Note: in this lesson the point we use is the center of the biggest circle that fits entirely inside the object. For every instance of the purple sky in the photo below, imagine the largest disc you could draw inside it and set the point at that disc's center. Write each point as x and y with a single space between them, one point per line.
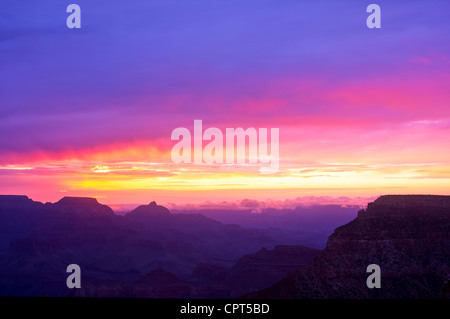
55 80
137 70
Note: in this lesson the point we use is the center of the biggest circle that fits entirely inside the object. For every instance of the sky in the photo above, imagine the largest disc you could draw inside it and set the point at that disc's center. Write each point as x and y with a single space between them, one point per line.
89 112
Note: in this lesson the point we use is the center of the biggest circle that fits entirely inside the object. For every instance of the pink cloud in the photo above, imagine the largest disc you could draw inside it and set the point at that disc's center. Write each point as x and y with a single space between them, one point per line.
259 205
419 59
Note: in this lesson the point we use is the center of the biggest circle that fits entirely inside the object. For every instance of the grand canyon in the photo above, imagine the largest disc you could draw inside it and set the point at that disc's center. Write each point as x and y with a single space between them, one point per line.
318 252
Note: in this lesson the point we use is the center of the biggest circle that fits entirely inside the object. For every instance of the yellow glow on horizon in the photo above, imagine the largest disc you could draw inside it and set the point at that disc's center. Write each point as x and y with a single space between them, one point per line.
129 174
185 180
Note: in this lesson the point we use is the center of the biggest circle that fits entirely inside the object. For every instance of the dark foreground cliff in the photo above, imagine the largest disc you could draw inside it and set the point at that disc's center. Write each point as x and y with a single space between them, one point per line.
408 236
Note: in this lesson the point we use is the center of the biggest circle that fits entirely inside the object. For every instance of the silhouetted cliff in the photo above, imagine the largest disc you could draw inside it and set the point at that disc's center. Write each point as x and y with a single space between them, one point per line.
407 236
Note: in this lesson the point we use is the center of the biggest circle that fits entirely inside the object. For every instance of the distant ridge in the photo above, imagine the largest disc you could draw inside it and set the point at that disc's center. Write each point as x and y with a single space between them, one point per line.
80 206
13 198
17 204
78 201
151 209
16 200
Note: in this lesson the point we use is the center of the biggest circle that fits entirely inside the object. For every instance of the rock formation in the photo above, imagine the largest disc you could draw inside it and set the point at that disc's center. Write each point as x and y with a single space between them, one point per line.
408 236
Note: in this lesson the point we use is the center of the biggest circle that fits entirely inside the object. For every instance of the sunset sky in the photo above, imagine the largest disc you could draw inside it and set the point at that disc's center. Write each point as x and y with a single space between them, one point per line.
89 112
